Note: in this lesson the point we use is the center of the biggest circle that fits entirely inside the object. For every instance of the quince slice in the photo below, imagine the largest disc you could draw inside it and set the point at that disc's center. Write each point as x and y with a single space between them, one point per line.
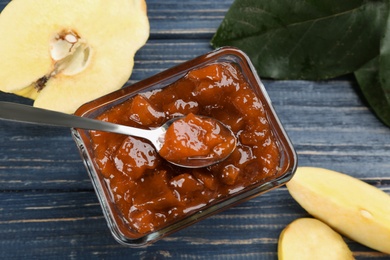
350 206
311 239
63 54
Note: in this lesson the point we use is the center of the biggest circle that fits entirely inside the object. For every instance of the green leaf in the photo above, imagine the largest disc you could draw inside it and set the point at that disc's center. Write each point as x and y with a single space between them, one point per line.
374 79
370 84
304 39
384 62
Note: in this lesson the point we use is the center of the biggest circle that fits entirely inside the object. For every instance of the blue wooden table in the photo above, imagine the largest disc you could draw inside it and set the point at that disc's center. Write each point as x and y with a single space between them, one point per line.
48 208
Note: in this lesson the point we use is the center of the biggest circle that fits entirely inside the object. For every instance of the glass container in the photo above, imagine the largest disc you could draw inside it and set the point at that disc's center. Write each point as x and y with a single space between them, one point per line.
116 222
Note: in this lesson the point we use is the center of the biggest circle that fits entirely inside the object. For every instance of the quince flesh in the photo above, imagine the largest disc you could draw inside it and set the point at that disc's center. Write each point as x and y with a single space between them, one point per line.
309 238
63 54
350 206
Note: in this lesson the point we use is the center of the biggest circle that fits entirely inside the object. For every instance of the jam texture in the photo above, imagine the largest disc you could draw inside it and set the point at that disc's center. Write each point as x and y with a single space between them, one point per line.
151 193
193 140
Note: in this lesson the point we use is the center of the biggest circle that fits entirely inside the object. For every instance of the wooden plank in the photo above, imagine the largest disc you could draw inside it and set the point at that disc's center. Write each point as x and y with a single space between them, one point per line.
159 55
186 19
70 224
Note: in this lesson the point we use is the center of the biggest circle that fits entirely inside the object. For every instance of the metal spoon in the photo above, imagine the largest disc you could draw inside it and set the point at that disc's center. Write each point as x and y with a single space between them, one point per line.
28 114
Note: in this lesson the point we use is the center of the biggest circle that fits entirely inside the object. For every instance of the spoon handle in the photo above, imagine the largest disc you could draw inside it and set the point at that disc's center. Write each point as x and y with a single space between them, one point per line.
28 114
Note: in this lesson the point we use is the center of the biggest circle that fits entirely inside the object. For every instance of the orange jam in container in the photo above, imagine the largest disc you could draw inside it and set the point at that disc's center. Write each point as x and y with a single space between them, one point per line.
143 196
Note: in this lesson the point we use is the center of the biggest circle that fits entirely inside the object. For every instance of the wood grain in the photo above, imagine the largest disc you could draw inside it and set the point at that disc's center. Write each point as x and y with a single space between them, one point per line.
48 208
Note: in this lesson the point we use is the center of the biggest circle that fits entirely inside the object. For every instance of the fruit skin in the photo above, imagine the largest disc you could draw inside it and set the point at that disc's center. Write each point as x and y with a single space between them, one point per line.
309 238
348 205
113 30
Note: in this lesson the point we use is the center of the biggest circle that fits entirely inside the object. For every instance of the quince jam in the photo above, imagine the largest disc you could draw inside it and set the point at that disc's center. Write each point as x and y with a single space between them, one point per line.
150 192
196 141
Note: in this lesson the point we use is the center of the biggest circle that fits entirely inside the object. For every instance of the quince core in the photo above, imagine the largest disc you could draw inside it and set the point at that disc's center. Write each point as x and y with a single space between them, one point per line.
63 54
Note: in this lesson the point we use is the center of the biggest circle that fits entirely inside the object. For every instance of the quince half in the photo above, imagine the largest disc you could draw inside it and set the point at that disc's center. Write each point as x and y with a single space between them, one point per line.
64 53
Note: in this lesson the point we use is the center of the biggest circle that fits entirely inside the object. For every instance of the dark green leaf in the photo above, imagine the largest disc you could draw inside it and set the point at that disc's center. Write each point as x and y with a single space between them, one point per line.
374 79
384 62
370 84
304 39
